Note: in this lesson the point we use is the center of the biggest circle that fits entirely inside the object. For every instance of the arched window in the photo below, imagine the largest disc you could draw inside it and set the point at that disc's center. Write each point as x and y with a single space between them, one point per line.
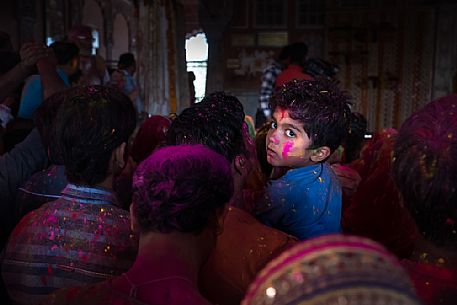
197 62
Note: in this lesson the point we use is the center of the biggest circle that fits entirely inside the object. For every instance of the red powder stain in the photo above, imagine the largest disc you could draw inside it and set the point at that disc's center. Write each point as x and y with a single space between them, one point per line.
283 113
287 148
52 220
54 247
50 271
52 236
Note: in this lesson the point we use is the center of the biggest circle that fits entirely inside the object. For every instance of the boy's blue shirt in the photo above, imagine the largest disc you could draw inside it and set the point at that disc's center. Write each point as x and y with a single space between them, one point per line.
305 202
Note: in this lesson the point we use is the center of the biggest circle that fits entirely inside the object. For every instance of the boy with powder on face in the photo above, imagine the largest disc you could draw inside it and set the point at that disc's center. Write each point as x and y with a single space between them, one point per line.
310 119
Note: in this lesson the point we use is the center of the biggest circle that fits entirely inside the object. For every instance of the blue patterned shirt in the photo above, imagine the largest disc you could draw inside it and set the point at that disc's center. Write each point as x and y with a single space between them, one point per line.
78 239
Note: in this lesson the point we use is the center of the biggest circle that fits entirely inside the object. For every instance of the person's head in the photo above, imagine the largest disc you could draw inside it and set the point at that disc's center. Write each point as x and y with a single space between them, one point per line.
81 35
91 130
127 62
297 52
333 269
181 189
284 55
218 123
425 168
151 135
67 55
310 120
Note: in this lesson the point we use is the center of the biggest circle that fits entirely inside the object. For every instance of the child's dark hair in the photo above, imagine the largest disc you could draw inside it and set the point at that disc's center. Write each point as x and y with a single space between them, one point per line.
126 60
320 106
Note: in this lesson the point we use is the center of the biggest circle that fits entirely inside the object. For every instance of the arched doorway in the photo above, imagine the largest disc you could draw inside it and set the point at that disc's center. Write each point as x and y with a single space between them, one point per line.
197 62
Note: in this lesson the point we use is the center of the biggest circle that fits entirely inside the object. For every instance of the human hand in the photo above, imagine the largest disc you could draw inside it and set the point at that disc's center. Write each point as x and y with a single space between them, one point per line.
31 52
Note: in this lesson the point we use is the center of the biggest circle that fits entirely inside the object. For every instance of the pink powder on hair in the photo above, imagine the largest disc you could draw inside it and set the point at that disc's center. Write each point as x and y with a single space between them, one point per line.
287 148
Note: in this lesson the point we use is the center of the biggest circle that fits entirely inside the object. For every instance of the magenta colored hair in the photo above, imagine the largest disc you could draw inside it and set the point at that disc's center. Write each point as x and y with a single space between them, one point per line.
425 166
179 188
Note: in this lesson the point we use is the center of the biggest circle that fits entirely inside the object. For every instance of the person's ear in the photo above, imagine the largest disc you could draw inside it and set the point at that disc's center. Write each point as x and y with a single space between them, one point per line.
240 164
74 63
320 154
119 153
134 226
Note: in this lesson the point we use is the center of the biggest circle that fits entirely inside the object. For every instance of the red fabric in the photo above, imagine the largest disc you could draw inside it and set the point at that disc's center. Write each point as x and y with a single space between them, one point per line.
117 292
290 73
150 135
434 285
376 210
243 249
156 277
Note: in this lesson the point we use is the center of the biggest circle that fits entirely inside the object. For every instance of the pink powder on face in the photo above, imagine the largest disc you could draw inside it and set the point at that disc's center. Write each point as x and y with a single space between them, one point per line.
287 148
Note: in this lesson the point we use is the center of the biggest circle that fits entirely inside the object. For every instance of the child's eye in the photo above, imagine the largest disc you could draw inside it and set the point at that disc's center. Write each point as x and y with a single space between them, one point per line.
290 133
274 125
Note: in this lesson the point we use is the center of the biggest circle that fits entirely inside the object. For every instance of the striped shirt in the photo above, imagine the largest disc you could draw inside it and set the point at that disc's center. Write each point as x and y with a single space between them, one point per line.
78 239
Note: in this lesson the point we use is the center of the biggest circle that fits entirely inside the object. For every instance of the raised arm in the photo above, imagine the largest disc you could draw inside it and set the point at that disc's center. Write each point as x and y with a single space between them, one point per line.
50 80
30 54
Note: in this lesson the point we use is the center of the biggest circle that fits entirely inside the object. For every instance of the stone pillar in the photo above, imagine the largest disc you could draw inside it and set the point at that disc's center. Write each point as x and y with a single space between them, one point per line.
161 56
214 18
182 90
152 55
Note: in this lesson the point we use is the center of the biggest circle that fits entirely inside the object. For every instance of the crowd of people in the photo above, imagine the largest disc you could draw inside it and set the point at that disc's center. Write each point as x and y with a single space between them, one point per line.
101 207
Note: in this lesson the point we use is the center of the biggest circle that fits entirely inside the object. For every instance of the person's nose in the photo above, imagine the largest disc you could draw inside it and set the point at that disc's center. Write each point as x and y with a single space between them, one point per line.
273 137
